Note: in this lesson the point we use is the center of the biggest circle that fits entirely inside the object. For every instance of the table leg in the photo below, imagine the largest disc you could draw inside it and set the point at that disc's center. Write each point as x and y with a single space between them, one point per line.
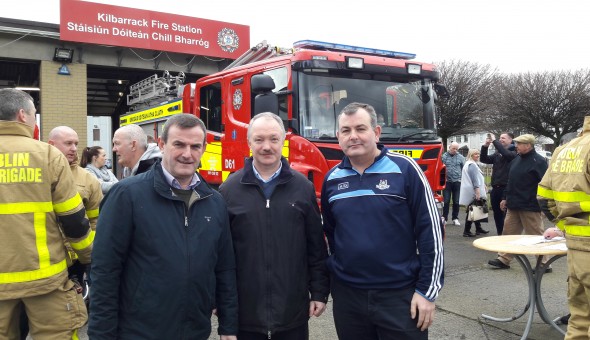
528 270
531 299
539 272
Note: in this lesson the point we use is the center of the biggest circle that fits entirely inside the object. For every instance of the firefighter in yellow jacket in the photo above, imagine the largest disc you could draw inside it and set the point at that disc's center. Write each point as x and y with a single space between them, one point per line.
66 140
564 196
38 197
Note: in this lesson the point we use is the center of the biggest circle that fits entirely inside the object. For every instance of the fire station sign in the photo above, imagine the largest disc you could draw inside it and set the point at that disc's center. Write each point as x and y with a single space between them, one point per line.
94 23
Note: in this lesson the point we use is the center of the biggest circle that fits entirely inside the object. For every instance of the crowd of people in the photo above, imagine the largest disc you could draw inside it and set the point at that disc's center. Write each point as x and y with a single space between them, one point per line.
163 251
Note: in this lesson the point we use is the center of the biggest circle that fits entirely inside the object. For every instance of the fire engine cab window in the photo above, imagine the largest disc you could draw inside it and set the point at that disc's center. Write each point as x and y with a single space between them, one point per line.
405 110
211 106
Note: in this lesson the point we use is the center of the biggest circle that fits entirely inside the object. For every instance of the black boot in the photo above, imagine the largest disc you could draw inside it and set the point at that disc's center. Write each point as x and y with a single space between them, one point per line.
467 230
565 319
481 231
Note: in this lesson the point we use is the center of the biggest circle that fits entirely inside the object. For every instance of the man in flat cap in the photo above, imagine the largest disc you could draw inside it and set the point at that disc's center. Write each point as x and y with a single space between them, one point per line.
520 197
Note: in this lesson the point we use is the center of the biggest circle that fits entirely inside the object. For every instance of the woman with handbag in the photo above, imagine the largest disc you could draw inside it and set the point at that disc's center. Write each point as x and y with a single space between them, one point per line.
473 188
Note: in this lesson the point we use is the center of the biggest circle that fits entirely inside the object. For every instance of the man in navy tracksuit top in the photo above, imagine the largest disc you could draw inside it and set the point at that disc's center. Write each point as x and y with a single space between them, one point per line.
384 234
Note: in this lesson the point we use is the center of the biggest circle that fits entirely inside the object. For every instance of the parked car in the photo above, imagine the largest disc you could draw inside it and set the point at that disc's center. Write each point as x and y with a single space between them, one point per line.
546 154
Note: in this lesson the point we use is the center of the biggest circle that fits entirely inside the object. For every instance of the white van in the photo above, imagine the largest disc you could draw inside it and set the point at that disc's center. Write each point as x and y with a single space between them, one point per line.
546 154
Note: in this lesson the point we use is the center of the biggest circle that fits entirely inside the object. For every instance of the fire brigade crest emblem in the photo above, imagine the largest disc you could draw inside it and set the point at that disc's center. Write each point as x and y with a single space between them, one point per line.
382 185
228 40
237 99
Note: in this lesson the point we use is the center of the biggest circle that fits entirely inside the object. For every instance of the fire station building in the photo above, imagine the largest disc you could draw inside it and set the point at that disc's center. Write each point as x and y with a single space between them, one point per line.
79 71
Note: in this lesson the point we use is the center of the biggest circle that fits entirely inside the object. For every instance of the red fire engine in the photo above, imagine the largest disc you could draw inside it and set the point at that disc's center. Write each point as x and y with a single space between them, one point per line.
306 86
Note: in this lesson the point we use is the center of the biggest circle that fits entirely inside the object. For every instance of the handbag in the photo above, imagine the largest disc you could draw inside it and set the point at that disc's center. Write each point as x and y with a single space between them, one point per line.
477 210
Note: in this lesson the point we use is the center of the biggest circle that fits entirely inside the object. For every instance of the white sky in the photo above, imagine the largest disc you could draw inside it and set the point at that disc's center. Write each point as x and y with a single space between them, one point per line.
512 35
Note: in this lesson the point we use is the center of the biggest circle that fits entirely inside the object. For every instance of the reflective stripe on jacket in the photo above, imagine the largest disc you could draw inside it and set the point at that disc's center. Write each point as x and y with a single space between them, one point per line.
564 192
36 191
90 191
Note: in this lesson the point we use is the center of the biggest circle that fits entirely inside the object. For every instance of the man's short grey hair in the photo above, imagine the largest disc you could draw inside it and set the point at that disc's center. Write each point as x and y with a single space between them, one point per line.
183 121
11 101
352 108
455 144
134 132
266 115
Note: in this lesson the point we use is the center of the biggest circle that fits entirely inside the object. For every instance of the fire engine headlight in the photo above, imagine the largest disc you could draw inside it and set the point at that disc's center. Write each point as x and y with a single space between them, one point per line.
414 68
357 63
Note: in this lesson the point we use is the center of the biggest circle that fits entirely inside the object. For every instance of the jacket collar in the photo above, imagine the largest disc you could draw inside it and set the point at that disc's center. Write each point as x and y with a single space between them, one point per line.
250 178
586 128
161 185
15 128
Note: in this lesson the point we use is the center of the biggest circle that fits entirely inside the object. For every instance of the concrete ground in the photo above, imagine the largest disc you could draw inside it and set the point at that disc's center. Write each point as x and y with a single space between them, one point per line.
472 288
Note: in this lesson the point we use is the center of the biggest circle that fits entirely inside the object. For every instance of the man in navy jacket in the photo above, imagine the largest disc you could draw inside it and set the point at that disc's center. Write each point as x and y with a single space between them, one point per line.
164 256
500 160
523 213
384 233
278 240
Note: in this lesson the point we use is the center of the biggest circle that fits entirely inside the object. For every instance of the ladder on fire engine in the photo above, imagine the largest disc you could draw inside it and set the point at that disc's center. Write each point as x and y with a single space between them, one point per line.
154 89
262 51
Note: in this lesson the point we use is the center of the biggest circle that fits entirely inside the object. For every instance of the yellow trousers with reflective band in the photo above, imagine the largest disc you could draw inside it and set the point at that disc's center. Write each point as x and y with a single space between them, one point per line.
53 316
578 260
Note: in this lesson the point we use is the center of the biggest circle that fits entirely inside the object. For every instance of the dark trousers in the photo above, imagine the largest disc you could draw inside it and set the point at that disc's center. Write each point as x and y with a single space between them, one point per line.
374 314
499 214
451 189
298 333
468 224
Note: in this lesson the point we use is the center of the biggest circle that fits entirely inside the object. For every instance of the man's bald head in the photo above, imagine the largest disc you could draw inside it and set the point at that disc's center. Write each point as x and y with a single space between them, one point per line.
66 140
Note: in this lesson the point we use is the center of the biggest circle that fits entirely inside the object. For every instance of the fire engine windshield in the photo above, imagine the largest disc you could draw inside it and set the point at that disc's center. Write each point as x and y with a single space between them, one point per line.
405 111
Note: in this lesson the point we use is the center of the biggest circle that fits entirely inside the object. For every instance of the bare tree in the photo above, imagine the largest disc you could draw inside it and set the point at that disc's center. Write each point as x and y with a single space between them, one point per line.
469 85
548 104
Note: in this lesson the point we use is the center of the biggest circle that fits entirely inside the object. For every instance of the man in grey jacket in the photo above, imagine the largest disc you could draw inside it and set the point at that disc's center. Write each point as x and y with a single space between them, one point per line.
133 151
454 162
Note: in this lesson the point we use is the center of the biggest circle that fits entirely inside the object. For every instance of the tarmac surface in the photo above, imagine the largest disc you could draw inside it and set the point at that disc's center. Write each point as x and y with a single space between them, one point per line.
473 288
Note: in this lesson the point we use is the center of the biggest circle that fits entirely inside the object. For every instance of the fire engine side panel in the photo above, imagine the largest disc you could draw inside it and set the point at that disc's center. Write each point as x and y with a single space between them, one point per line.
211 161
236 108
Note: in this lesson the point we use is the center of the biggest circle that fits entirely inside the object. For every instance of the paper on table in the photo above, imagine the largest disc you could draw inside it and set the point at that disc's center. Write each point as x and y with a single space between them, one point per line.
528 241
555 239
531 240
558 246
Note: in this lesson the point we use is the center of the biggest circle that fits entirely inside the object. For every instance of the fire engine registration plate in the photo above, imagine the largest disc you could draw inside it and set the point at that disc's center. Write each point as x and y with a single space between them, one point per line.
413 153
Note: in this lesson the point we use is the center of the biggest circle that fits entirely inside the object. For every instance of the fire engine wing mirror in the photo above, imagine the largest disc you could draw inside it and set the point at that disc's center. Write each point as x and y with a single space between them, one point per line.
423 95
293 124
441 91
